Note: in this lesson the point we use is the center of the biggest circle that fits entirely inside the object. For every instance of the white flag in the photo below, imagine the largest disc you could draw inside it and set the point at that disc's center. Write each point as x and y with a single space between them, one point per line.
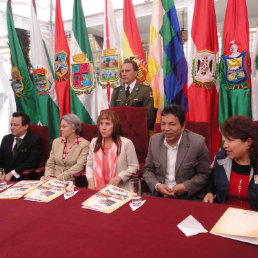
7 101
254 77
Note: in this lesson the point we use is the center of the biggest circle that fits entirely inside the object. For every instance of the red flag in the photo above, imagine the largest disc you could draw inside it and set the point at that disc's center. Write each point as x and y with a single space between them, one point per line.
132 45
62 64
202 91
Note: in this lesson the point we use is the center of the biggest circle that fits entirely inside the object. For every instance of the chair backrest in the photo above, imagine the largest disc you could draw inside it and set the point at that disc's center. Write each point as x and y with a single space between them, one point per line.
256 123
134 125
202 128
89 131
43 133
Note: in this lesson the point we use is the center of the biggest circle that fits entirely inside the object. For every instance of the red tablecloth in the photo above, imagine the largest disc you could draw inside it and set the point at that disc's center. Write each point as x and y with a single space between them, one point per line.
63 229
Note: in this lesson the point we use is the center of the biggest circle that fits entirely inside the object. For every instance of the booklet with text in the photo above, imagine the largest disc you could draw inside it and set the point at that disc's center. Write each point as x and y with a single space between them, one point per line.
46 192
19 189
108 199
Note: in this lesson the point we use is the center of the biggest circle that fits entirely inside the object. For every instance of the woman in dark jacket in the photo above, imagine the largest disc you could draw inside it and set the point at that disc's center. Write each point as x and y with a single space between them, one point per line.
234 179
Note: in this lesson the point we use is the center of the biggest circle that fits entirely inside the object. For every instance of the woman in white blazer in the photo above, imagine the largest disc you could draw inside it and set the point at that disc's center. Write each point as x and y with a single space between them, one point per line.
112 158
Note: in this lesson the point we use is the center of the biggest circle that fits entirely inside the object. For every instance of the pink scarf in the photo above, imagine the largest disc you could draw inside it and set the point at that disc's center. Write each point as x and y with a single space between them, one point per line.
98 166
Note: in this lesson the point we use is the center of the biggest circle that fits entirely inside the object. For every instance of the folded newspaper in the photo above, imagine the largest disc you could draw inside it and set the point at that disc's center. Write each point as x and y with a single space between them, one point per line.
108 199
46 192
19 189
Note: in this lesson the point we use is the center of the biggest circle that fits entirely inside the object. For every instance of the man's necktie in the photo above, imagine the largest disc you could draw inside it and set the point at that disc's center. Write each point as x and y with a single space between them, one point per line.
127 92
16 146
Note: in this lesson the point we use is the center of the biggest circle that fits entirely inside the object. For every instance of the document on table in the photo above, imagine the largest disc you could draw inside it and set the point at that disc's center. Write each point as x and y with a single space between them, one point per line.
238 224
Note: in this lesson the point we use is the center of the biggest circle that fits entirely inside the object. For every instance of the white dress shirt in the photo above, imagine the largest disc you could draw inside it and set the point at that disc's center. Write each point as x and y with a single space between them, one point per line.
170 180
131 86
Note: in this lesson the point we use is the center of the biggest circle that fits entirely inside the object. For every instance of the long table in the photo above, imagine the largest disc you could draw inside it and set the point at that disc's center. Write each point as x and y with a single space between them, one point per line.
62 228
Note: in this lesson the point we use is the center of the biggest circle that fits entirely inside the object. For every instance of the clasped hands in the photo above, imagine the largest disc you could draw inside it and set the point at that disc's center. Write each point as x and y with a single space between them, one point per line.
173 192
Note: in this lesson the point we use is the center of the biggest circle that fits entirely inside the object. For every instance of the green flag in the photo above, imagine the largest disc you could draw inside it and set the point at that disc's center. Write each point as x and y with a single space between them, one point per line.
25 93
87 99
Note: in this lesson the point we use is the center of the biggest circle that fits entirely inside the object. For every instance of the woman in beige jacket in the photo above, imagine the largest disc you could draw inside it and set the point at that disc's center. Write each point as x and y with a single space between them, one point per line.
112 158
69 152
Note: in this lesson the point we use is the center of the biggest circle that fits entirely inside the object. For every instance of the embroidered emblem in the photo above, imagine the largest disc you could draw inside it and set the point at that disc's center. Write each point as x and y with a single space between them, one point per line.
235 65
204 70
17 83
82 75
235 68
61 66
109 70
41 81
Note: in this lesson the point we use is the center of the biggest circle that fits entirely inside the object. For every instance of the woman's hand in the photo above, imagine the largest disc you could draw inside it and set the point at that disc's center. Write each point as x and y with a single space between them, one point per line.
91 184
209 197
46 178
115 180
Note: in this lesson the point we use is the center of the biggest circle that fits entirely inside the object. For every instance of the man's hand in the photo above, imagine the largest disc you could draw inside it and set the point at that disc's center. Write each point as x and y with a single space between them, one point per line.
164 189
178 190
8 176
209 197
115 180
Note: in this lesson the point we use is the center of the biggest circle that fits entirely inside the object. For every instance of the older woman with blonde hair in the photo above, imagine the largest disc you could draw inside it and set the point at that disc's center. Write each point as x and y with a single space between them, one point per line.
112 158
234 179
69 152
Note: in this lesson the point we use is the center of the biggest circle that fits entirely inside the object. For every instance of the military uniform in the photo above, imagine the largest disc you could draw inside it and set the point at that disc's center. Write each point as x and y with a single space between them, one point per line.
141 96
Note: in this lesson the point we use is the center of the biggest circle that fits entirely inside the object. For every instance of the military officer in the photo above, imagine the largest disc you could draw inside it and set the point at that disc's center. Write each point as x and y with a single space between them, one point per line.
133 93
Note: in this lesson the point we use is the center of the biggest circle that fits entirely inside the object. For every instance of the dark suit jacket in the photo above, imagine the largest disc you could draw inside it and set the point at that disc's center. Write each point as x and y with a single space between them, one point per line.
141 96
27 156
192 164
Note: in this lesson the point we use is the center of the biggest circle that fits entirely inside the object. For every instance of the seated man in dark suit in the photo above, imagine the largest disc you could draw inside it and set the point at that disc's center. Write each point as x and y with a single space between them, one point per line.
177 164
21 149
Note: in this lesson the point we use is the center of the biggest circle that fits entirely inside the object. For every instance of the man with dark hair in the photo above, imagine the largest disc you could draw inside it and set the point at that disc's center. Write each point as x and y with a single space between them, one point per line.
21 149
177 164
133 93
